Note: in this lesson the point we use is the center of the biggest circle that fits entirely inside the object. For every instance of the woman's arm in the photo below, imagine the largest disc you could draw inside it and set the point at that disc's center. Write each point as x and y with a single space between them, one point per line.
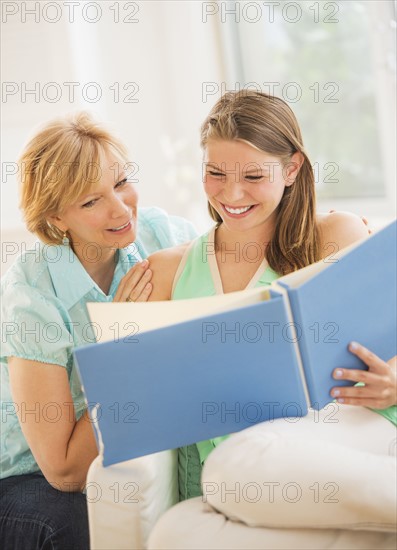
63 447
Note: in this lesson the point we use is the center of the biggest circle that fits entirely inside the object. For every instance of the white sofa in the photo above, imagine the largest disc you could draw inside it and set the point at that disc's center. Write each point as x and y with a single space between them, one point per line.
131 504
125 500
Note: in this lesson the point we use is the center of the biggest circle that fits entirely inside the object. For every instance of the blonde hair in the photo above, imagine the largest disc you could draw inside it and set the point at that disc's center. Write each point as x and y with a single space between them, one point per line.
268 123
60 164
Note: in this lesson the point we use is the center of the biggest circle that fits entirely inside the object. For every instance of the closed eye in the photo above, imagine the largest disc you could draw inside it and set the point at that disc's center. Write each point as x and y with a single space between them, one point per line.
89 204
214 173
121 183
253 178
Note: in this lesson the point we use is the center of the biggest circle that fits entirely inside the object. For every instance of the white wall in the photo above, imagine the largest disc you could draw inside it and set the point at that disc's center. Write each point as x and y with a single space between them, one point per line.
166 55
169 53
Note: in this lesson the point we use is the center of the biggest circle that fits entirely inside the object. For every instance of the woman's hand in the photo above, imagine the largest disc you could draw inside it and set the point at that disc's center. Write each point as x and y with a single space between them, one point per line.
380 390
135 286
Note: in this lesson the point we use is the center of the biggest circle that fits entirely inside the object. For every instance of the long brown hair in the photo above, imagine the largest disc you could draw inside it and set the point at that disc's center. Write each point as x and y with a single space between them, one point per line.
268 123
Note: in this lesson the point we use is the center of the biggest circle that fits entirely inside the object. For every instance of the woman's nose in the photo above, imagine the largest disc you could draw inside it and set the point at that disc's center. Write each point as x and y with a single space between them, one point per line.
118 207
234 190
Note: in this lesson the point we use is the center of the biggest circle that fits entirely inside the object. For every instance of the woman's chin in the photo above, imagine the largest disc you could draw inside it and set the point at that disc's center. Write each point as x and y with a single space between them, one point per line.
123 241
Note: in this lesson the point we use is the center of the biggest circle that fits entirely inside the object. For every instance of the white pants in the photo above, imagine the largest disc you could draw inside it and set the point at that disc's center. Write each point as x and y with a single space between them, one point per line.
356 427
334 468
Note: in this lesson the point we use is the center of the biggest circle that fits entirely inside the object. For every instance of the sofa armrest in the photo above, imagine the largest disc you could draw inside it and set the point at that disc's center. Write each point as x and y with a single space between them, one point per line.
125 500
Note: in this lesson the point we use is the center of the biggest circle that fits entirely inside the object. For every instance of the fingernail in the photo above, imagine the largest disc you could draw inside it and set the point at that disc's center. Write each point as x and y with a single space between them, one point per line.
340 400
353 346
144 263
335 393
339 373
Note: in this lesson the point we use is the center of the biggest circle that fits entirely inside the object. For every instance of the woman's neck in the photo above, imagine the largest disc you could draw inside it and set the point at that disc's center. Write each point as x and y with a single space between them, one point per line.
252 242
100 265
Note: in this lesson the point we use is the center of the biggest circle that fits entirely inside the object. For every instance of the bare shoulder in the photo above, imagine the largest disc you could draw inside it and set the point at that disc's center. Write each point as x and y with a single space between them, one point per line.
338 230
164 265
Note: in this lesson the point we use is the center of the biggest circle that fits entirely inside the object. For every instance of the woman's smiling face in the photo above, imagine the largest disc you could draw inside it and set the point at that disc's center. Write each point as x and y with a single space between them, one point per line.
244 184
106 216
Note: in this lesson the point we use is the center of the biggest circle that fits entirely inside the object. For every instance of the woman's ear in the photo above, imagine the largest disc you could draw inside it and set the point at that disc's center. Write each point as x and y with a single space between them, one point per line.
291 169
57 222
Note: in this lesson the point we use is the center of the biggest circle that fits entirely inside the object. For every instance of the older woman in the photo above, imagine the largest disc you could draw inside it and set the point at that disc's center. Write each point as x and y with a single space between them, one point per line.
77 197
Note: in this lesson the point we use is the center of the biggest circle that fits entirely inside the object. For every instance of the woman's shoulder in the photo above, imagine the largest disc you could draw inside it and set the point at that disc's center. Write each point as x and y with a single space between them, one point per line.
27 287
168 256
157 229
338 230
27 270
164 265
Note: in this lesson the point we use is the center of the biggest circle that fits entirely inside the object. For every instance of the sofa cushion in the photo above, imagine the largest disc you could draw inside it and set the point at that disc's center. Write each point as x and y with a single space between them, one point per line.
195 524
285 475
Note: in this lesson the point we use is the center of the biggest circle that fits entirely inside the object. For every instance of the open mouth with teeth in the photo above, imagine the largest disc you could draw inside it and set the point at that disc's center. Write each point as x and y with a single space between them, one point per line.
121 228
240 211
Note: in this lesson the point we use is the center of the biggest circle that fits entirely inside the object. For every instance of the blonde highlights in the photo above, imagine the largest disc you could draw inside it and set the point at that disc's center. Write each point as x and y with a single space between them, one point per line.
268 123
60 164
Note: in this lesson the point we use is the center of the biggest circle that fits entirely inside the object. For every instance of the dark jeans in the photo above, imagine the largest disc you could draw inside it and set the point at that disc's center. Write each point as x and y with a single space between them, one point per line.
34 515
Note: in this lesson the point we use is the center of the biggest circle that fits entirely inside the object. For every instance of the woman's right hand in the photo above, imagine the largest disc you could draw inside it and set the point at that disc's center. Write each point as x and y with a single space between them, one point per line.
135 286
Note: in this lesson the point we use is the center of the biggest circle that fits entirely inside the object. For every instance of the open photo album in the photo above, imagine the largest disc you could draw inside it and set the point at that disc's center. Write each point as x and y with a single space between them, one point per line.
167 374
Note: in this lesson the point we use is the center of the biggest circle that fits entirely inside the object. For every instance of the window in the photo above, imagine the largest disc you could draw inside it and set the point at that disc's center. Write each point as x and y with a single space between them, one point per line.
334 63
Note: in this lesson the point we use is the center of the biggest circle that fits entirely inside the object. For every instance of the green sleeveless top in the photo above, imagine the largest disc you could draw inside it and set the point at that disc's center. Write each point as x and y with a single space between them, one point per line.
198 276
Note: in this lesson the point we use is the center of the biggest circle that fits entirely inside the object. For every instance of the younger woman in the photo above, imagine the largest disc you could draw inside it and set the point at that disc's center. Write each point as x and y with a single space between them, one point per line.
261 194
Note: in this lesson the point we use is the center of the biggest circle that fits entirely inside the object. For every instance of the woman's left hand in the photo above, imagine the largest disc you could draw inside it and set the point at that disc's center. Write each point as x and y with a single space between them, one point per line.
380 390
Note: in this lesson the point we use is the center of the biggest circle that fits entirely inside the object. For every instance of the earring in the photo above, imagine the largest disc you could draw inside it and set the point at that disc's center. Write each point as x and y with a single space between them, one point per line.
65 240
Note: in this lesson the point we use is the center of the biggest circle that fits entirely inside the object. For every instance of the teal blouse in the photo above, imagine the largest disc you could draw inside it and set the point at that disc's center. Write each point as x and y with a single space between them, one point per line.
44 316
